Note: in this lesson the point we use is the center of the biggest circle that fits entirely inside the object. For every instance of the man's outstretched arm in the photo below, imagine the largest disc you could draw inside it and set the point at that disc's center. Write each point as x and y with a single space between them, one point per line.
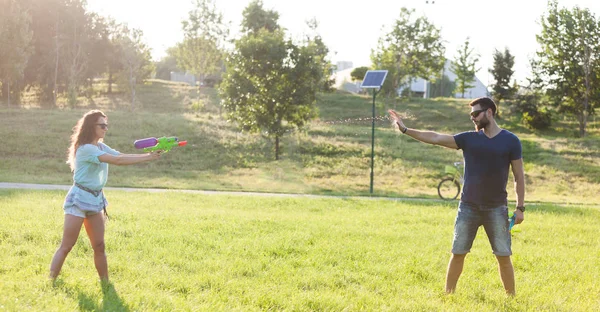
430 137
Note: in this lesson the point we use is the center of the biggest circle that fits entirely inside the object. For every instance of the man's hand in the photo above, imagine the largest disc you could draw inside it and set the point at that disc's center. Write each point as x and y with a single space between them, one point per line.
395 117
519 216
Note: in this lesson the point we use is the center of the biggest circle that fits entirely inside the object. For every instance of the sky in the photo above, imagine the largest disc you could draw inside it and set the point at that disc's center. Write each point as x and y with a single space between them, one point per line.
351 28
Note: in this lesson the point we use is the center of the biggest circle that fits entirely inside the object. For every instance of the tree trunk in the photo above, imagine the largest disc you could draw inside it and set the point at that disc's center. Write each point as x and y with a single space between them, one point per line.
55 91
587 70
276 147
582 120
110 80
397 80
132 84
8 87
17 96
4 90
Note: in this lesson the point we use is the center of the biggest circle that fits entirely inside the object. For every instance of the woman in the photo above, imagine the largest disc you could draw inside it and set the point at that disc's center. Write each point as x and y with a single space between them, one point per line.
88 158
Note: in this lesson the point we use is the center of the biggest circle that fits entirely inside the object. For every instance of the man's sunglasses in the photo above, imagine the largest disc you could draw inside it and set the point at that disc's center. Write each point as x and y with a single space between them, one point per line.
103 126
476 113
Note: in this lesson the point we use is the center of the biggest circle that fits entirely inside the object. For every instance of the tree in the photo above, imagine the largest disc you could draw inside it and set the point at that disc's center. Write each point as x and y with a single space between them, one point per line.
443 87
135 59
201 51
114 65
359 73
502 73
76 43
66 48
270 84
167 64
568 61
15 48
464 68
412 49
43 67
320 52
255 18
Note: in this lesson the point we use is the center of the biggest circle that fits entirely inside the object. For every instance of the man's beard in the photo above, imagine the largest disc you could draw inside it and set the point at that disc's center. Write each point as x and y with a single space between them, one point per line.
484 122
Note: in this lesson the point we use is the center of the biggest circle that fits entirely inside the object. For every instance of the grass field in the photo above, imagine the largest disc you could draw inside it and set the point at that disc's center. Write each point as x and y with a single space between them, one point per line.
186 252
330 156
176 251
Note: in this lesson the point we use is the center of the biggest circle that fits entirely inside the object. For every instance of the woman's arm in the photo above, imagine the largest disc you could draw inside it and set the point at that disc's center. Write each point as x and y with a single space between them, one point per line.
128 159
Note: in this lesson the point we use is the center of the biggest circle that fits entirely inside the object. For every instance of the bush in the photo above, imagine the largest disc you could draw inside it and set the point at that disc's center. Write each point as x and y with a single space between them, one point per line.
531 107
540 119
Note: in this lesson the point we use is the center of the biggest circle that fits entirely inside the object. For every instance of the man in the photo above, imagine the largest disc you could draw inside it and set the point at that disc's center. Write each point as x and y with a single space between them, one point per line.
488 152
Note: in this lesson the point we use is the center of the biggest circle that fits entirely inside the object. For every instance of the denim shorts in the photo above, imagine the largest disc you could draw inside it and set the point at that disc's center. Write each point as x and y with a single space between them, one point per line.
76 211
495 222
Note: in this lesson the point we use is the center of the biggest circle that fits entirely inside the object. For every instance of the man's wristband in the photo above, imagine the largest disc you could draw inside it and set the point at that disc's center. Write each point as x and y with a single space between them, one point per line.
404 130
521 208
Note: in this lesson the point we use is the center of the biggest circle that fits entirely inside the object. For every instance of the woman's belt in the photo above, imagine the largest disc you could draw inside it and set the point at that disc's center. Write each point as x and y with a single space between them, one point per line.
95 193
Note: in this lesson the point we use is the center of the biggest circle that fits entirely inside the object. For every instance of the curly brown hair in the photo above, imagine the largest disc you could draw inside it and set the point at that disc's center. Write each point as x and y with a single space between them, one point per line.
84 132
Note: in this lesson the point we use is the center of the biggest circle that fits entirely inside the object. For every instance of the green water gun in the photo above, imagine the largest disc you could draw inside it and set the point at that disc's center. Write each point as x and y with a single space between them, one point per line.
163 144
511 220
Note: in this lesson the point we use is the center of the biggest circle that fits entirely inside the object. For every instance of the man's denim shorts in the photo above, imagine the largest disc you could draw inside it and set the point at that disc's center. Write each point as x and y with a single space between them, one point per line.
495 222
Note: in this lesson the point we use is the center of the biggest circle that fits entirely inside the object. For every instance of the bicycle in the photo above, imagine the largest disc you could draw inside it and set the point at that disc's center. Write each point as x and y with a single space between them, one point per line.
449 187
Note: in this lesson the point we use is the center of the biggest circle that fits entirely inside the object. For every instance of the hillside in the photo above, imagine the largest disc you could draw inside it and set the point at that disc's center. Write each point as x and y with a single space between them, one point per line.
331 156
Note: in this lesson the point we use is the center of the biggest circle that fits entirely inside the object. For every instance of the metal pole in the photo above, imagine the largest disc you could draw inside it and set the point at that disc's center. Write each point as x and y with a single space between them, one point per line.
373 140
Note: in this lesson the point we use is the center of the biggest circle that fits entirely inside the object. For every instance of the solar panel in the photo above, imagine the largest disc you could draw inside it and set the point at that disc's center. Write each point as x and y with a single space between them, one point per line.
374 79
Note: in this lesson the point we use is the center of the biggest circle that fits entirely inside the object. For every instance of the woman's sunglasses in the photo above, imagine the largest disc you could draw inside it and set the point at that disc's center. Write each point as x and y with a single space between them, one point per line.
476 113
103 126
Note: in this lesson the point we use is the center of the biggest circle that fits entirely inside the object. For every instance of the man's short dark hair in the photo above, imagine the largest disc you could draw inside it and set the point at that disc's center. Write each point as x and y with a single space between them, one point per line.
484 103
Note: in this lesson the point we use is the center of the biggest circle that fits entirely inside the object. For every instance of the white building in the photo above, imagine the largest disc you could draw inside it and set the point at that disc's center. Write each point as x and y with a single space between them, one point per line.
343 65
183 77
419 87
343 81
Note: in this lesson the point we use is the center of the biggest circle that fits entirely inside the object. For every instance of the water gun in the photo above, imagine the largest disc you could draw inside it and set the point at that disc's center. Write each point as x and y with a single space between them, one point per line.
163 144
511 220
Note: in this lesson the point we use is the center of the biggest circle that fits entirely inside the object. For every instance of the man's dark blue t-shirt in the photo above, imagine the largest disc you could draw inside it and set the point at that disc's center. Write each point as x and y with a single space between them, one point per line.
487 161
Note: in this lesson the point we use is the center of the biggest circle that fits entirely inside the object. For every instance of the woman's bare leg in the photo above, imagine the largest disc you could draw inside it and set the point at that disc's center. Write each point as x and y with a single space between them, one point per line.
71 231
94 226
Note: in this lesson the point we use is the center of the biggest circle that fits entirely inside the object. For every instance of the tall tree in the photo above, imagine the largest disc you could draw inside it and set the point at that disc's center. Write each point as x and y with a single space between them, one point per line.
99 48
412 49
63 45
15 46
318 49
270 84
135 59
114 65
464 67
43 67
256 18
76 43
502 72
205 33
568 61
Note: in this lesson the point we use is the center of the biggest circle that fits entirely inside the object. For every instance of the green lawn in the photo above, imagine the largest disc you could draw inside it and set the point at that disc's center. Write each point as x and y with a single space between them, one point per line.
188 252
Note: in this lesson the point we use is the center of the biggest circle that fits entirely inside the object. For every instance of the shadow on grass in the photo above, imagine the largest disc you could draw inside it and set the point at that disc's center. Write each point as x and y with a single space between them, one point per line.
111 301
573 161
